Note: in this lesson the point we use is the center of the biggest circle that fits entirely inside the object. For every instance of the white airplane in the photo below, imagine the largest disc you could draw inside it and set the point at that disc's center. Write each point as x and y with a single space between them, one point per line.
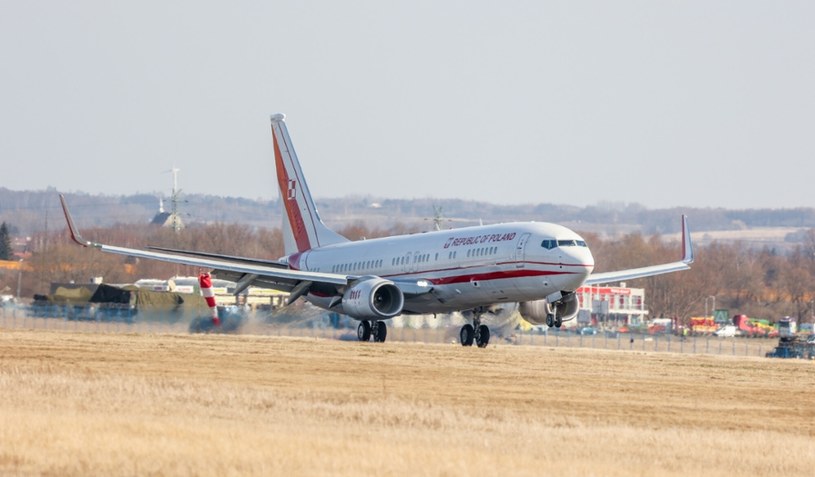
475 270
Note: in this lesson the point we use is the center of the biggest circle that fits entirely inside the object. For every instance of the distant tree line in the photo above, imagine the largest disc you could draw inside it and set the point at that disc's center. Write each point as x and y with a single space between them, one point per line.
759 283
38 211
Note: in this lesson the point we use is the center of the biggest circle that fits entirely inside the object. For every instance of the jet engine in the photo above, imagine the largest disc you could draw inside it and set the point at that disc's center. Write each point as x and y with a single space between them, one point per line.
373 298
559 306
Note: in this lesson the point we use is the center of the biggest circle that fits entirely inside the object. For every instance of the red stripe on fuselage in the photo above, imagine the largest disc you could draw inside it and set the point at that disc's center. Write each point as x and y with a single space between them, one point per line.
296 221
497 275
424 273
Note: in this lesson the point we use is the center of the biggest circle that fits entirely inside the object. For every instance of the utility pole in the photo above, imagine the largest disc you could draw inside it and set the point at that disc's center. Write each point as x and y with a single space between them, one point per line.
19 278
174 200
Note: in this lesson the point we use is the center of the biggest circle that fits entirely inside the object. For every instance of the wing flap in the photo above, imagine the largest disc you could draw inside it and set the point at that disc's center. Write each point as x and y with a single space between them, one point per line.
231 258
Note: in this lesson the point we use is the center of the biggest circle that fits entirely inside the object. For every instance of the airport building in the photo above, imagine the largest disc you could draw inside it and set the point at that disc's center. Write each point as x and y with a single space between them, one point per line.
606 306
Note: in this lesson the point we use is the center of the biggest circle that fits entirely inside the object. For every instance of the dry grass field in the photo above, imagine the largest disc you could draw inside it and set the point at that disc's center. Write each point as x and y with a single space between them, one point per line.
171 404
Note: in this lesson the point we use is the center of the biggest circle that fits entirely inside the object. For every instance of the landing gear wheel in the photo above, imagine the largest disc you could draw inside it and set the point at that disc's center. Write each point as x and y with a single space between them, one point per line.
364 330
466 335
482 336
379 331
550 320
558 322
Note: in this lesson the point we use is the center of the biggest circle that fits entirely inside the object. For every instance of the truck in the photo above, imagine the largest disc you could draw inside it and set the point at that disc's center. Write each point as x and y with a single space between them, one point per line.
786 352
753 328
786 327
702 325
790 344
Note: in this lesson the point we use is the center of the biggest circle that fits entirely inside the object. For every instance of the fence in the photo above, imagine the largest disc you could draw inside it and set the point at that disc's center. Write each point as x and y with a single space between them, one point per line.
115 319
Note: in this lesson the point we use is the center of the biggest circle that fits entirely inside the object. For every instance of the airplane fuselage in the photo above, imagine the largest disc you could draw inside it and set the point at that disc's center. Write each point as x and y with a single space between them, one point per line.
513 262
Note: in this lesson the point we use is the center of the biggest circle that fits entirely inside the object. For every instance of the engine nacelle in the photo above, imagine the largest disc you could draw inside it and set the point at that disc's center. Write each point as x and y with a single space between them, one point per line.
373 299
563 305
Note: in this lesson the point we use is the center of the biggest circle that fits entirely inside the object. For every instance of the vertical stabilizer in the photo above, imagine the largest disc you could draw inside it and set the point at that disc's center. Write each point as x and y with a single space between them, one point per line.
302 227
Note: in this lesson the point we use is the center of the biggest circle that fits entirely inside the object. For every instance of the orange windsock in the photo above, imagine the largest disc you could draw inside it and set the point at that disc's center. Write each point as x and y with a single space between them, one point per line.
205 280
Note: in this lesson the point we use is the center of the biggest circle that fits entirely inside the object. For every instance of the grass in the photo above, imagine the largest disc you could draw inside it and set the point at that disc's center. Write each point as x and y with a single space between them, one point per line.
124 404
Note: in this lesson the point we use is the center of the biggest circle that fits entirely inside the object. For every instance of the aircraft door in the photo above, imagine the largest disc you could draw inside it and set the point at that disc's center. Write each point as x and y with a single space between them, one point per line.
520 250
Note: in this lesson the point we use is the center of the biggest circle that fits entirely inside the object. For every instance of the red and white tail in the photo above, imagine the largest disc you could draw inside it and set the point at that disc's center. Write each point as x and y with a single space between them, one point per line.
205 280
302 227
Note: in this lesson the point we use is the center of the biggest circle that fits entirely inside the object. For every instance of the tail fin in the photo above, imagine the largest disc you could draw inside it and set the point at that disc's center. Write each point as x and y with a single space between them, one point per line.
302 227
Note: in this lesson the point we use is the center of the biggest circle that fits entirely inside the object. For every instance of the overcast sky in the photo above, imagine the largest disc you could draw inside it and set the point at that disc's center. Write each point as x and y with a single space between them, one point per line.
663 103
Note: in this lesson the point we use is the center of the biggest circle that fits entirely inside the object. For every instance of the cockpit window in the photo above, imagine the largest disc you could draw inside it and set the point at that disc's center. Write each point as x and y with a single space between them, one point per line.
549 244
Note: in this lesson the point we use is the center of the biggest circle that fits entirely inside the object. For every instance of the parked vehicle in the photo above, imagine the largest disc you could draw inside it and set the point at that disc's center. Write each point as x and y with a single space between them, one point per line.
726 331
786 352
587 330
786 327
754 328
701 325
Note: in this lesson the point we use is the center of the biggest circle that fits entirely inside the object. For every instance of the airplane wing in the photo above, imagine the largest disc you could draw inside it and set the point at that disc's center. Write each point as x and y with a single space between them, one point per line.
632 273
231 258
244 271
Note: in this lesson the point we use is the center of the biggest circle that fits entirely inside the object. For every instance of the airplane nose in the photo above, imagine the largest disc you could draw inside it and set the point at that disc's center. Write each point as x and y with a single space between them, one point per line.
588 259
583 259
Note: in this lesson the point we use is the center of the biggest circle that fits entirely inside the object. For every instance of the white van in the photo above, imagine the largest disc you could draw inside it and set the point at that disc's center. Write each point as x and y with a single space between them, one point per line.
726 331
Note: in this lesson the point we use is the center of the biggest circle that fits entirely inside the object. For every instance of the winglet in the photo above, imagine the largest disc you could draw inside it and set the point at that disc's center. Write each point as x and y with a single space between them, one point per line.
687 244
71 227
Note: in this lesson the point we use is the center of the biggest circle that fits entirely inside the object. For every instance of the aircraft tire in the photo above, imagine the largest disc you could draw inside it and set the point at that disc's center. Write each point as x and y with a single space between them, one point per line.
466 335
380 331
558 322
550 320
482 338
364 330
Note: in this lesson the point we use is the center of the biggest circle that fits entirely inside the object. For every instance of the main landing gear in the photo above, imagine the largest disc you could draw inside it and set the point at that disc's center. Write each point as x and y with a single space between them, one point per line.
553 320
475 332
372 329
